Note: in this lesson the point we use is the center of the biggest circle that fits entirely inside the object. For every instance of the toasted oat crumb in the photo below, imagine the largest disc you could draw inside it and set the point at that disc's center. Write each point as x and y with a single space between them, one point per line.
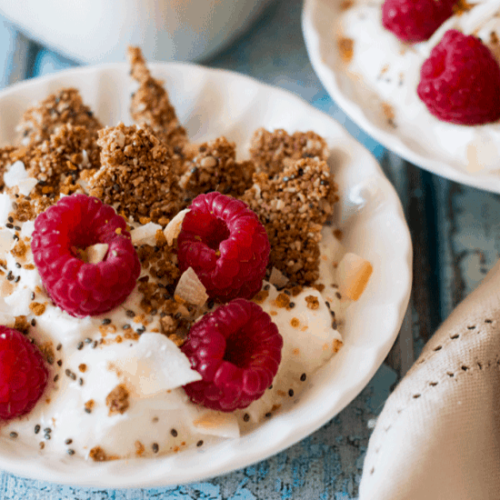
461 7
20 249
346 5
82 367
151 105
136 174
139 449
273 151
89 405
21 324
7 155
118 400
346 48
47 350
97 454
295 323
37 308
312 302
261 296
282 300
337 344
388 112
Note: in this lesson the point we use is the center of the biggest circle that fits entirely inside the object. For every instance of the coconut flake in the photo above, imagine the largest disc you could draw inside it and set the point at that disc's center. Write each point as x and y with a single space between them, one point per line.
27 229
190 289
174 227
5 240
15 174
214 423
278 279
96 253
156 365
353 275
145 235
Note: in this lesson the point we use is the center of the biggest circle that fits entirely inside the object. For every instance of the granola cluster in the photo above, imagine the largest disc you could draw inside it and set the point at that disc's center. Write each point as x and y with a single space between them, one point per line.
136 174
293 206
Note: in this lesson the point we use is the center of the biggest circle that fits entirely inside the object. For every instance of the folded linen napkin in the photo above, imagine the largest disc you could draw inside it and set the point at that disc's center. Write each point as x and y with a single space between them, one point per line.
438 436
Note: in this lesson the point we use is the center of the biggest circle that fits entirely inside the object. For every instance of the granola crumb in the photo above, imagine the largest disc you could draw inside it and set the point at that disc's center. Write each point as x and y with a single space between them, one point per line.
118 400
21 324
89 405
312 302
97 454
139 449
295 322
282 300
346 48
261 297
337 345
37 308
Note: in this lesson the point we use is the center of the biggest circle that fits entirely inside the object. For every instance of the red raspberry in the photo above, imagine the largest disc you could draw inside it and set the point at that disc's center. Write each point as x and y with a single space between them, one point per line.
415 20
23 374
237 351
83 289
226 245
460 81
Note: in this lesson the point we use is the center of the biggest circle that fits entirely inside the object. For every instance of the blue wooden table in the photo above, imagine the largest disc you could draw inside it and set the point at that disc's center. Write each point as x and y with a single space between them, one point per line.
455 231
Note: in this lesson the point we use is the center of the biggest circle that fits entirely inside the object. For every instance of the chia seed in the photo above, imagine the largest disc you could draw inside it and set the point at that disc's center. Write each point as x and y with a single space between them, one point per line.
17 228
80 346
268 415
126 327
94 345
33 322
303 377
291 305
106 321
246 417
59 346
68 441
70 452
37 429
32 295
11 219
13 435
130 314
88 340
80 381
199 443
9 225
59 362
174 433
9 276
17 279
56 378
155 447
47 430
291 393
18 265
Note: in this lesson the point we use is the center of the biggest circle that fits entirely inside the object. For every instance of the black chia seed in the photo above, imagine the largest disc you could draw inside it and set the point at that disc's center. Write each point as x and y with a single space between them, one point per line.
106 321
199 443
155 447
13 435
246 417
174 433
70 452
37 429
303 377
80 346
68 441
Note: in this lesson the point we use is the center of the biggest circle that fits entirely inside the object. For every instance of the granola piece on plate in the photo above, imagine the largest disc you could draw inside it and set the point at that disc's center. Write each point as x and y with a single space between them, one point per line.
136 174
151 105
64 107
293 206
213 167
273 151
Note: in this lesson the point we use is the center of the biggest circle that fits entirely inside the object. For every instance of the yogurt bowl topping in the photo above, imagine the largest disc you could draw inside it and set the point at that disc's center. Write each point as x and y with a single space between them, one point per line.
176 294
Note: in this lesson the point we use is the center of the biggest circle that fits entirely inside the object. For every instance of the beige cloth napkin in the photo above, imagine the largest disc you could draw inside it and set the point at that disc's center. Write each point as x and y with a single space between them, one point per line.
438 436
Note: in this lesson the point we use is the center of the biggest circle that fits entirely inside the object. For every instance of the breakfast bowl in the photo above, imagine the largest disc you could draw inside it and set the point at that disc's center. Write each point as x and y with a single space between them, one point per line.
210 103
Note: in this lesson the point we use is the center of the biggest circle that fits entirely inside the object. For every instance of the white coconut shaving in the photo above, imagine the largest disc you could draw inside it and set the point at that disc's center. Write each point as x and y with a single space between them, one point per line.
145 235
174 227
190 289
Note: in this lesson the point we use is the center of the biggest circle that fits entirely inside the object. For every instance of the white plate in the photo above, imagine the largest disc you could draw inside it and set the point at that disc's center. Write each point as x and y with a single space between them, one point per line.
320 25
211 103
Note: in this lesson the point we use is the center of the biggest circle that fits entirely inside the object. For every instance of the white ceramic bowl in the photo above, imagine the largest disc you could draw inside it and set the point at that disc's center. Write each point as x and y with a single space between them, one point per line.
211 103
320 25
93 31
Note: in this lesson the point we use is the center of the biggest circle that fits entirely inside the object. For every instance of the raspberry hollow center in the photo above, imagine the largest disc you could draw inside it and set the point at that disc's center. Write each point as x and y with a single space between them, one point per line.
217 233
240 349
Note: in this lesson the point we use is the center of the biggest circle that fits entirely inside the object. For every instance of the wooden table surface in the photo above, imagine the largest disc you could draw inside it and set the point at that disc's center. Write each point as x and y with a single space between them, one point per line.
455 231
